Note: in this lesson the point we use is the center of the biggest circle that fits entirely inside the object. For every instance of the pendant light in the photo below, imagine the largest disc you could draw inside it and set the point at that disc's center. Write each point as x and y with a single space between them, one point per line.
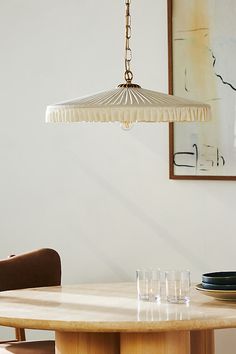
128 103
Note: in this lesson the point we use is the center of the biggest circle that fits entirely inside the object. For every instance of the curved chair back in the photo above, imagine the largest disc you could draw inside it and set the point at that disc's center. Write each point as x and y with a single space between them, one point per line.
30 270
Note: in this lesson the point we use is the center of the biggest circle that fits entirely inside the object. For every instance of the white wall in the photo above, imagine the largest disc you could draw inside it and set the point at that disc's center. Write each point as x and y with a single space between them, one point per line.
99 195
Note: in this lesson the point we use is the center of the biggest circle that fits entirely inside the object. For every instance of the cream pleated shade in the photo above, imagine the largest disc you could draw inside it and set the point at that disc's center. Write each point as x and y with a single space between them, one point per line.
128 104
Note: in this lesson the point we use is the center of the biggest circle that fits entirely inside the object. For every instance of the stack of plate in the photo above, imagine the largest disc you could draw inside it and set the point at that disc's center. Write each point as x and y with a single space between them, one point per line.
219 281
220 285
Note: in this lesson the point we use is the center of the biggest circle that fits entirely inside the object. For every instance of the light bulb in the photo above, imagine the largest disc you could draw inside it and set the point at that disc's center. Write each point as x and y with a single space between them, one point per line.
127 125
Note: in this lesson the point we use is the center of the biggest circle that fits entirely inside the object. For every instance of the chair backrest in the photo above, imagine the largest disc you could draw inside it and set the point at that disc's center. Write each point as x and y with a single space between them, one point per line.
29 270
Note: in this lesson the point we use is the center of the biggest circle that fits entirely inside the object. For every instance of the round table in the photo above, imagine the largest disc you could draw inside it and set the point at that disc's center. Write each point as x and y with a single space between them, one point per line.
108 319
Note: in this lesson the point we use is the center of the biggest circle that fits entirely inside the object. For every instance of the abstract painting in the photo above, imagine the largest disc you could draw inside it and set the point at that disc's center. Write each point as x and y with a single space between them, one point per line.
202 53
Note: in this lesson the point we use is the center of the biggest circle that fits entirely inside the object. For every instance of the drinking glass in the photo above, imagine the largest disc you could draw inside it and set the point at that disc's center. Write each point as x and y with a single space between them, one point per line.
177 286
148 284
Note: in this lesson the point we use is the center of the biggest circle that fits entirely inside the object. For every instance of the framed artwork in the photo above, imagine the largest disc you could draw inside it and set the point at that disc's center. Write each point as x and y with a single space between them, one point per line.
202 56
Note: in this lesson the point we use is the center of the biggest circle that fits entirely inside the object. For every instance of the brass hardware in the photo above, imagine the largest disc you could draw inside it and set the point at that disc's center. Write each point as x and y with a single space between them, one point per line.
129 84
128 53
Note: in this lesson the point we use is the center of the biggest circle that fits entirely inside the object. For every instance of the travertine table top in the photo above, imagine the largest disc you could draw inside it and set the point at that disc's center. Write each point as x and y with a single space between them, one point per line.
109 308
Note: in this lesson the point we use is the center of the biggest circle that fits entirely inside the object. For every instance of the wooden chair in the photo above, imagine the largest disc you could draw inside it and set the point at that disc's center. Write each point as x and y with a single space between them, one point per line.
29 270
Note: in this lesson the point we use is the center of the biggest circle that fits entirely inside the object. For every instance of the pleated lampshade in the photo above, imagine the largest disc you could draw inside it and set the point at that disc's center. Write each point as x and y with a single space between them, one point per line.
128 105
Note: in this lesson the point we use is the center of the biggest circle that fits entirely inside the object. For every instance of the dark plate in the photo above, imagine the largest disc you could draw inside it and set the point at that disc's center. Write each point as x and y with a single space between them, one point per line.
220 278
218 287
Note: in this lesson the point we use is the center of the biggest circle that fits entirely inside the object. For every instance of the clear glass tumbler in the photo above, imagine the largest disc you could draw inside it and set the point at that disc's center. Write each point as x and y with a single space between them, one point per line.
148 284
177 286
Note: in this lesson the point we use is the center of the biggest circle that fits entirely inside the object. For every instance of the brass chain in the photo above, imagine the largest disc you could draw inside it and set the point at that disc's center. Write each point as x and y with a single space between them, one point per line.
128 52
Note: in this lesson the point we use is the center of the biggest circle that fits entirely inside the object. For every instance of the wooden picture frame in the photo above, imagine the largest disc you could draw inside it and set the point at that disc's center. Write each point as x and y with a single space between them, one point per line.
207 168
